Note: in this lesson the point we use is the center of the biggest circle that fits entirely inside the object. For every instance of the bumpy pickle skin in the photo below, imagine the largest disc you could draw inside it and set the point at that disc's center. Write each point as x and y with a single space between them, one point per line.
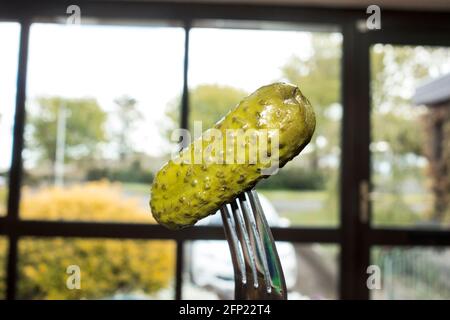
183 193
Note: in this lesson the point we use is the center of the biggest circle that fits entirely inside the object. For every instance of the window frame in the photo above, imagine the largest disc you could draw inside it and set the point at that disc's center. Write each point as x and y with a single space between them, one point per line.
354 235
372 236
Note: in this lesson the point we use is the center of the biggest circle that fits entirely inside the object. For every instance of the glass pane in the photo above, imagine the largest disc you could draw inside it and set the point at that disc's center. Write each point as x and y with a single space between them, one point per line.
412 273
98 120
311 271
96 269
410 156
227 64
3 259
9 33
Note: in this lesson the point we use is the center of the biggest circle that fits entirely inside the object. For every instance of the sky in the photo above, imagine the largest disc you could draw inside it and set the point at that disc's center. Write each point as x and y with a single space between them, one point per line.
145 63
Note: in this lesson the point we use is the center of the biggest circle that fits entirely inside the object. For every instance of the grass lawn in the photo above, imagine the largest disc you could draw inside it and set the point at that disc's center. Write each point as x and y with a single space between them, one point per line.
317 218
324 216
293 195
137 188
403 210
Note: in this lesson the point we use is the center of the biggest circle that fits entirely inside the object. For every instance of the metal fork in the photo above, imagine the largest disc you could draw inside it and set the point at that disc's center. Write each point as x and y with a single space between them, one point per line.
257 268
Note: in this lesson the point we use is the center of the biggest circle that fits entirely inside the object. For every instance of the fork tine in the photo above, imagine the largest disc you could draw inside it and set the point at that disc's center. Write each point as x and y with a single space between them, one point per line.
255 240
276 272
236 253
249 256
253 250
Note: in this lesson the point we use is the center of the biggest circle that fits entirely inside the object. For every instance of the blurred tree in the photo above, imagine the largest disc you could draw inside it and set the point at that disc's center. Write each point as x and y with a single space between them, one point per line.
396 73
85 122
208 103
392 110
128 115
318 77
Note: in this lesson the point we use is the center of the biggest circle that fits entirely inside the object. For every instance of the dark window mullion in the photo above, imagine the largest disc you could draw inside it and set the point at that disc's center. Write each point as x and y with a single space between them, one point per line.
355 163
15 177
179 266
49 228
347 158
185 94
363 164
398 236
184 125
408 237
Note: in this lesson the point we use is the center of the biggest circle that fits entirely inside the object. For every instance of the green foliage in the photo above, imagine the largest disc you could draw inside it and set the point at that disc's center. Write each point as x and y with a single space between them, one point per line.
132 173
394 117
318 77
397 131
208 103
295 179
393 112
128 115
396 73
85 130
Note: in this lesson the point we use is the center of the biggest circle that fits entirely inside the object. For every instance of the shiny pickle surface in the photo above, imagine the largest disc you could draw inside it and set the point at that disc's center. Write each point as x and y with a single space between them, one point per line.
184 192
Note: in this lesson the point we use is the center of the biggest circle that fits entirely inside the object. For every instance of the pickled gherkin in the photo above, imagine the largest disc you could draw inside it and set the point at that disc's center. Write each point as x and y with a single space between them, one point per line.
185 191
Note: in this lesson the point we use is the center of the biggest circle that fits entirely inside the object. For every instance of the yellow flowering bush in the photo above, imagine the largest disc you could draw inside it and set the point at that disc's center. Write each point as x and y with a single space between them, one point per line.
3 248
3 243
107 266
3 202
100 201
